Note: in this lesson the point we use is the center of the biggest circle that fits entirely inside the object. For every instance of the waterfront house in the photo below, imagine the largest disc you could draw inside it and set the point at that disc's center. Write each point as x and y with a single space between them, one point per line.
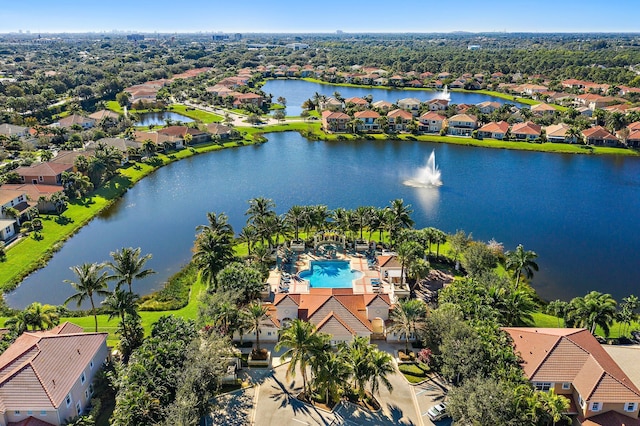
559 133
46 376
633 139
220 131
9 130
431 122
461 124
357 102
598 135
487 107
399 119
331 104
437 104
37 195
334 121
14 199
494 130
179 132
572 363
102 114
542 109
125 146
526 131
243 99
410 104
49 173
382 105
369 120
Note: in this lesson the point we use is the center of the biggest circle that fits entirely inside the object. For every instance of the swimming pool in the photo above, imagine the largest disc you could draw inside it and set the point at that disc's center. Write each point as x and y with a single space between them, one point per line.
330 274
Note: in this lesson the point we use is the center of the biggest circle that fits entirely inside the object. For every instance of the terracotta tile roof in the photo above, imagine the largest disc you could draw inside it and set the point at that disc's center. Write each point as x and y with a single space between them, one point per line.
542 108
572 355
432 115
382 104
557 130
463 117
179 131
369 298
634 135
331 323
527 128
356 101
40 368
406 115
610 418
438 101
68 157
44 169
634 125
598 132
30 421
366 114
34 191
6 195
334 115
72 119
493 127
103 113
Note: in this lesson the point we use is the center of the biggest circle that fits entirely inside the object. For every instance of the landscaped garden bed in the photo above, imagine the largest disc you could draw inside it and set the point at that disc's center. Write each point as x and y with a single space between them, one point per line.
416 372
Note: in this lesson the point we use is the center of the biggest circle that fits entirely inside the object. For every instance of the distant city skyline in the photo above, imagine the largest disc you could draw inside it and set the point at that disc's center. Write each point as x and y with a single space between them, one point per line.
288 16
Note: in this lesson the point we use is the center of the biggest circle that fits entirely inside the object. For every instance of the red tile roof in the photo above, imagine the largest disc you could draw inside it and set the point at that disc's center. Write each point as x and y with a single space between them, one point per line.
493 127
598 132
406 115
432 115
610 418
527 128
366 114
30 421
44 169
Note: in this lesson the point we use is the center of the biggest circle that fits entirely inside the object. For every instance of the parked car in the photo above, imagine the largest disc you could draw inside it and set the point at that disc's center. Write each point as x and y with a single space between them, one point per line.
438 412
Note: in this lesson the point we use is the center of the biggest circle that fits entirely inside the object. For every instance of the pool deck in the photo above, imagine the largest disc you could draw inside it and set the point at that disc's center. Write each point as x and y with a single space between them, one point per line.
357 262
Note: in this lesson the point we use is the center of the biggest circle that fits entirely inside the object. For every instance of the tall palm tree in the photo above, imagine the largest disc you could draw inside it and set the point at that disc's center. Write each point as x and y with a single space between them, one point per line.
319 216
359 353
296 217
362 217
256 313
398 217
300 338
408 252
92 280
249 235
332 372
555 406
127 265
521 260
407 317
212 252
376 221
594 309
259 208
381 366
438 237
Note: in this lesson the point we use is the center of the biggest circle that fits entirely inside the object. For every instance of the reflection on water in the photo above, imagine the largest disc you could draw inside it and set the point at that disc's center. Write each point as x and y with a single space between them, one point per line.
429 199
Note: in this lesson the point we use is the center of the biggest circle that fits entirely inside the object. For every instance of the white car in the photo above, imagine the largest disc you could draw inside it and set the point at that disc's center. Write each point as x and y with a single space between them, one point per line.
438 412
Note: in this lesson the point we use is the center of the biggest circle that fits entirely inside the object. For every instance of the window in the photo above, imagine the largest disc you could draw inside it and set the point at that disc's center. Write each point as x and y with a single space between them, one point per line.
542 386
86 394
91 389
78 408
595 406
43 413
91 364
29 413
566 386
83 378
630 406
40 178
68 399
581 401
17 412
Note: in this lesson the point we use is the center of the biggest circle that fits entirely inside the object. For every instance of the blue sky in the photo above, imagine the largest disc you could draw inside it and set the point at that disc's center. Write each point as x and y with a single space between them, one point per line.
248 16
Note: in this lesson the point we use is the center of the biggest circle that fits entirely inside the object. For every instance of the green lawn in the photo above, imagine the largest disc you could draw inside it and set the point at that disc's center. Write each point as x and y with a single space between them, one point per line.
196 114
114 106
549 321
414 373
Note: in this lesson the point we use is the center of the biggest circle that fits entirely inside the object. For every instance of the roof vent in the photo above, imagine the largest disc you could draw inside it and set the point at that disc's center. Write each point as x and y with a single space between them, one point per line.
78 351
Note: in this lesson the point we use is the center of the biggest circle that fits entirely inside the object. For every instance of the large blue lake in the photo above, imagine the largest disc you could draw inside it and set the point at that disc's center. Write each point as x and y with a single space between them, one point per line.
578 212
298 91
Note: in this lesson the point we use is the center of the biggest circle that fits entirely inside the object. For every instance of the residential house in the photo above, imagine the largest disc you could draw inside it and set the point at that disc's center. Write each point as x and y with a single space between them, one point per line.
396 80
334 121
331 104
179 132
399 120
75 119
338 312
48 173
243 99
572 363
358 102
598 135
532 89
47 375
461 124
526 131
15 199
487 107
573 83
98 116
161 140
410 104
633 139
415 83
13 130
431 122
559 133
125 146
457 84
381 81
369 120
494 130
438 104
36 194
220 131
542 109
382 105
390 268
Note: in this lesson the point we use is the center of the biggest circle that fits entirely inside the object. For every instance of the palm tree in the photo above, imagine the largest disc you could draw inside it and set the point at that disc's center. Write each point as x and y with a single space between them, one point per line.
42 317
212 252
381 366
259 208
408 252
127 265
19 322
555 406
217 223
332 372
296 217
594 309
119 304
255 314
149 147
362 216
407 317
91 280
249 235
398 217
300 338
376 221
521 260
438 237
359 353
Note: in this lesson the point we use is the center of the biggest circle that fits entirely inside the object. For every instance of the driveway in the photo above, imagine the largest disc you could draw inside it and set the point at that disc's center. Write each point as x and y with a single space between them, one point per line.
428 394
